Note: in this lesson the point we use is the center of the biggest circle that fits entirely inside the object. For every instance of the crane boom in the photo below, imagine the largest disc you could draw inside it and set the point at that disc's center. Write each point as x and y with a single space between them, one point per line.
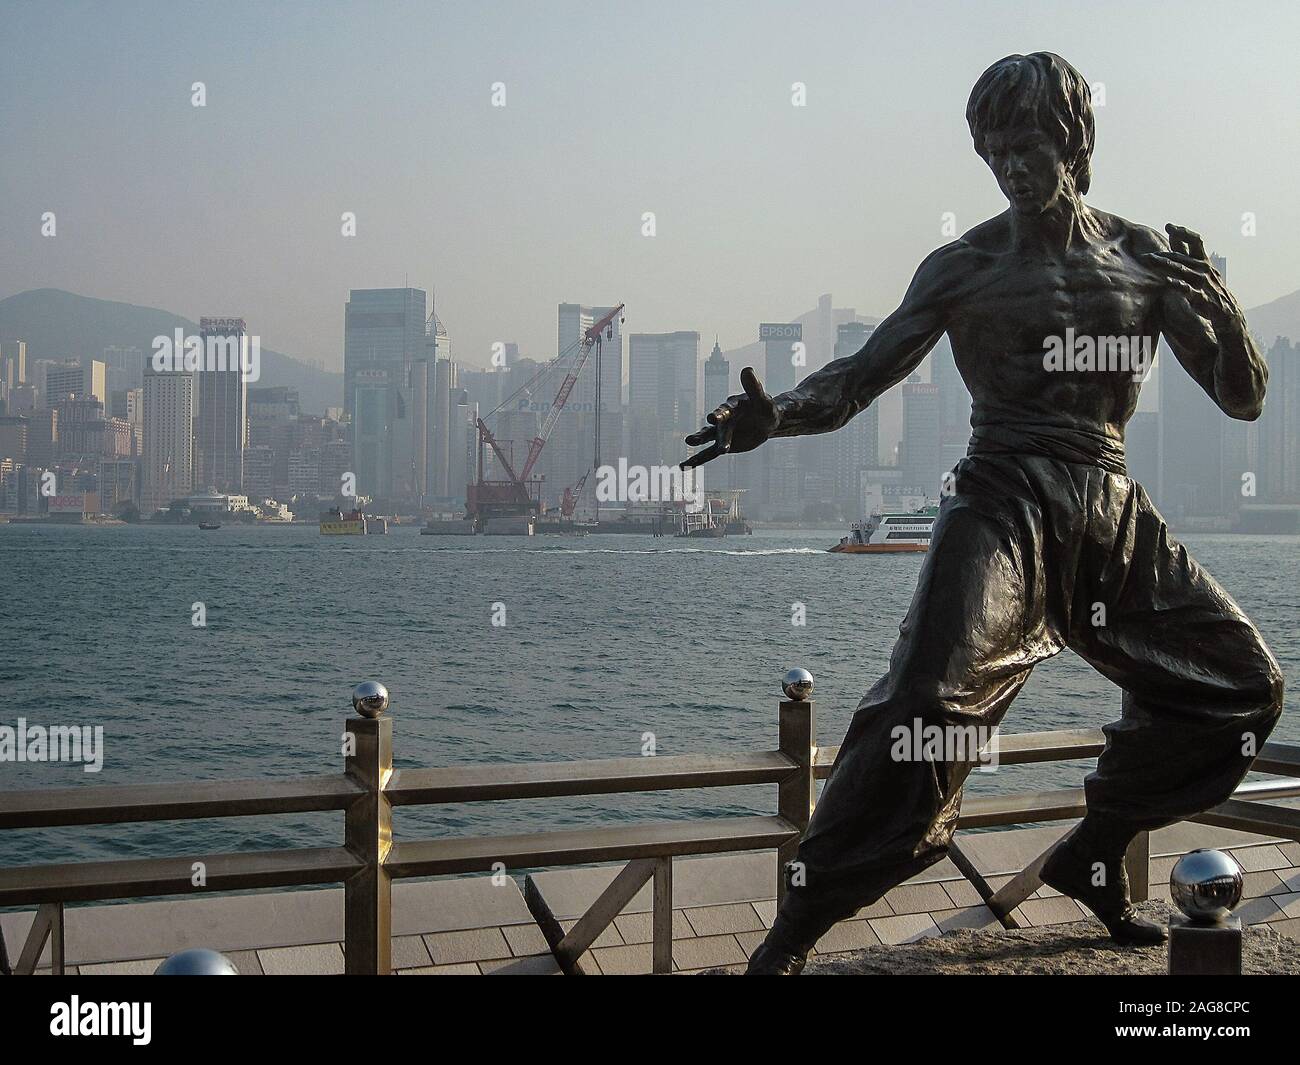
590 338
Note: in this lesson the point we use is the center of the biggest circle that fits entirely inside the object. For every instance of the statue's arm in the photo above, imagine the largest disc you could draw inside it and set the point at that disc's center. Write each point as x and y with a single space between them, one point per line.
1205 326
827 399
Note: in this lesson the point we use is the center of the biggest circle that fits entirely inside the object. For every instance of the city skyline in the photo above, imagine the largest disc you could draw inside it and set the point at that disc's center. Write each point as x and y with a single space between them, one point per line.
482 204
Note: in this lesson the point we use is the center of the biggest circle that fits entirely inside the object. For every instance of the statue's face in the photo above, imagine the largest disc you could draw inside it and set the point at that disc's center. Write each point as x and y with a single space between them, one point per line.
1029 166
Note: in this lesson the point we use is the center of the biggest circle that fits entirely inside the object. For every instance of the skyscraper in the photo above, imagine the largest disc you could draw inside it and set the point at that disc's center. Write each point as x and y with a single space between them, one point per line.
920 454
856 446
1191 440
221 405
663 403
168 459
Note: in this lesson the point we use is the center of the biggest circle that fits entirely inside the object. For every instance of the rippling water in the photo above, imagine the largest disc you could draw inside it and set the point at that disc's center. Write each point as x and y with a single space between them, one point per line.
605 639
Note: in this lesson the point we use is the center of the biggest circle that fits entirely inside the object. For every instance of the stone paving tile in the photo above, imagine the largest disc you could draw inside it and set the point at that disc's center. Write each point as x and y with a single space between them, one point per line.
245 961
962 893
1059 910
1257 911
1290 879
313 959
848 935
631 960
749 941
466 968
124 968
1291 850
608 938
723 920
1265 883
470 944
705 952
525 940
409 952
766 909
904 928
1160 892
1289 904
966 917
1289 928
879 908
1255 859
638 927
534 965
918 898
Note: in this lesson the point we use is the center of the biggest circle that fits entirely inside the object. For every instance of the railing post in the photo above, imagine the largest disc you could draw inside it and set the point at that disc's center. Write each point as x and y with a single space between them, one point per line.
661 935
797 725
1137 863
367 895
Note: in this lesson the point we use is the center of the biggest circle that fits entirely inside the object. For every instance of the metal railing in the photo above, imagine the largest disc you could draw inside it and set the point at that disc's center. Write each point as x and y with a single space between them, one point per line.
370 859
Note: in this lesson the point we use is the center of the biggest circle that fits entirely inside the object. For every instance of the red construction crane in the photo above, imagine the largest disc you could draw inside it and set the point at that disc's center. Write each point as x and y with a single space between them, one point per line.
513 496
571 496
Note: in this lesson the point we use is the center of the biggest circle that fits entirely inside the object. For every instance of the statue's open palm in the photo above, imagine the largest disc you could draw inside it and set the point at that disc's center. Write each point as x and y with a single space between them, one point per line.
740 424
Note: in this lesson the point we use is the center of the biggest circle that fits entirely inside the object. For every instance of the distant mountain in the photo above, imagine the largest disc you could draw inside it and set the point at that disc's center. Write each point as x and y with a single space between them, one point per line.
57 324
1281 317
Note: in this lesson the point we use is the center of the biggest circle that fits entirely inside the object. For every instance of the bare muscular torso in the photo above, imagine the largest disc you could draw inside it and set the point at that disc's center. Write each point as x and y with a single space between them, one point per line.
1007 304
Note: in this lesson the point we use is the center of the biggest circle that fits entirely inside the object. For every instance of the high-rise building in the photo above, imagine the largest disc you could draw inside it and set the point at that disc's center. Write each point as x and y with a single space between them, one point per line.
81 429
371 430
1191 440
382 327
13 371
663 391
1279 427
782 342
168 458
920 454
221 405
62 379
855 446
13 437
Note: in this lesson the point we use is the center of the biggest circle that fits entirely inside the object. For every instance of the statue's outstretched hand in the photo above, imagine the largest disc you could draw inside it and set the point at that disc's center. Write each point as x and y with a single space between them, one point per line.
740 424
1188 269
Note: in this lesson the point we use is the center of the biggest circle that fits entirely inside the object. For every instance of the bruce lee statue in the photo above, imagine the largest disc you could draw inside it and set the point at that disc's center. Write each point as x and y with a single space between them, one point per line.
1037 525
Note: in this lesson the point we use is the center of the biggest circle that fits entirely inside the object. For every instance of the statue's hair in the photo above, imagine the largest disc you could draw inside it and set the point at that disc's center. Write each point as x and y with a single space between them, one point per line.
1041 89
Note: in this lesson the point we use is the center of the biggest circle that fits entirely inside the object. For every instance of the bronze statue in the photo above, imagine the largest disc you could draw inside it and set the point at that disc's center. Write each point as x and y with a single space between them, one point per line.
1042 541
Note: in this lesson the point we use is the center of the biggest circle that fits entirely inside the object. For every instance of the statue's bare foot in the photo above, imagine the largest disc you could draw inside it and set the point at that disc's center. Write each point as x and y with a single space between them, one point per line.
1072 873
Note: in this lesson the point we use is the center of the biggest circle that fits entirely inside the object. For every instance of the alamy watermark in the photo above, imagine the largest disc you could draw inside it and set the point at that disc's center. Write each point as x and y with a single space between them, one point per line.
917 741
1107 354
649 484
211 352
53 743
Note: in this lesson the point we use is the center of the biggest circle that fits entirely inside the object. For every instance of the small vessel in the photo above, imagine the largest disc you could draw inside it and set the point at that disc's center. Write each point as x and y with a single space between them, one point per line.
700 524
890 533
209 525
337 522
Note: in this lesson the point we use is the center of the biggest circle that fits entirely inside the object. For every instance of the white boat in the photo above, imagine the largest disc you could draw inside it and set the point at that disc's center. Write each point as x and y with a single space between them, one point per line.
890 533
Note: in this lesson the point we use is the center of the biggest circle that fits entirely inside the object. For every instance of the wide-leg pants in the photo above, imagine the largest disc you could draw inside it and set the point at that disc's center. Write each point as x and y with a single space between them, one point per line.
1029 556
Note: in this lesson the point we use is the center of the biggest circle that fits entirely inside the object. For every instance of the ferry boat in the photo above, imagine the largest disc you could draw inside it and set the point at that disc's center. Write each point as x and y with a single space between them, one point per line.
890 533
336 522
209 525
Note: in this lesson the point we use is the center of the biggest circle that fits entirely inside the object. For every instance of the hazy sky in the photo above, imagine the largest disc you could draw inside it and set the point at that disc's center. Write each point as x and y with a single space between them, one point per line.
612 110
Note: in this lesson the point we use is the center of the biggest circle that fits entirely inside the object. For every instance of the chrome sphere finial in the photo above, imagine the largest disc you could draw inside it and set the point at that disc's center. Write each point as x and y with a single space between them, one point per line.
797 684
370 698
197 962
1206 885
